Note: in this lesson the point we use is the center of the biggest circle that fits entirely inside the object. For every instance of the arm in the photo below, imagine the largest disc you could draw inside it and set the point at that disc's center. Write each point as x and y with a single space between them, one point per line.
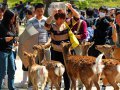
74 12
114 32
48 23
114 36
83 33
75 17
49 20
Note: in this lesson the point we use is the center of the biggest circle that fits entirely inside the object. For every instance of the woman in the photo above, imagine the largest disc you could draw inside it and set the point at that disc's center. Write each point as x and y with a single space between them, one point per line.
59 33
7 64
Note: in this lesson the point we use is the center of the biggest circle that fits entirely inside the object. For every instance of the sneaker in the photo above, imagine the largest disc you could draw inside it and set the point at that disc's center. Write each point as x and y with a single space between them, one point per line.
4 86
22 85
47 87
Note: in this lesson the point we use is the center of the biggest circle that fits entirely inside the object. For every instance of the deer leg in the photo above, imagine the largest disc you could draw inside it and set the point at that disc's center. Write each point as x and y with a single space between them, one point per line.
73 84
44 83
114 84
87 82
95 80
51 86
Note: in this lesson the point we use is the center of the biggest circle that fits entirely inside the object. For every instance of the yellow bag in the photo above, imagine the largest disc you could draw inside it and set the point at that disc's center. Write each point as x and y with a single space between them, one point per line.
74 41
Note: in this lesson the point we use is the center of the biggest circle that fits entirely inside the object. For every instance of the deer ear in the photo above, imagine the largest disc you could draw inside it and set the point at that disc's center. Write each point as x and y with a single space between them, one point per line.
25 53
35 53
114 46
47 45
92 43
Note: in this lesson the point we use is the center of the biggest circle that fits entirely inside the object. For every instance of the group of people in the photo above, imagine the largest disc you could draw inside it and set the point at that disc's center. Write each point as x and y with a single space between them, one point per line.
104 29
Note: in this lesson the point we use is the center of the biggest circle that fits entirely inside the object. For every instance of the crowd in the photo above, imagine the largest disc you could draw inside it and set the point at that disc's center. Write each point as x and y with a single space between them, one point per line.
100 26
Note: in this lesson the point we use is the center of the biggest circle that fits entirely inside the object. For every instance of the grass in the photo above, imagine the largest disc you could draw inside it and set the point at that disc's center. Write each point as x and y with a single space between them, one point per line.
92 4
109 4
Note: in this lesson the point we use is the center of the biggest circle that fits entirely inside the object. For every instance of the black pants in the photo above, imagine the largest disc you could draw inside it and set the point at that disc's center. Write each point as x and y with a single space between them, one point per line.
93 52
58 56
24 68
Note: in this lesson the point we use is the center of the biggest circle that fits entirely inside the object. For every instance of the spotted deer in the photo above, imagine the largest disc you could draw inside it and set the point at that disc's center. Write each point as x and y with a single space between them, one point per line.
37 73
112 64
55 69
85 68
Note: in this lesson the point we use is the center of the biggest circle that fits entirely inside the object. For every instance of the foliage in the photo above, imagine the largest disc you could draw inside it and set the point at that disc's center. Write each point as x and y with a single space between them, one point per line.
81 4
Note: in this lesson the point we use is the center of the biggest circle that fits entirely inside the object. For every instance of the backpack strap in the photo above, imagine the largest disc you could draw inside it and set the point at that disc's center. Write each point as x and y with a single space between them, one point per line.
79 25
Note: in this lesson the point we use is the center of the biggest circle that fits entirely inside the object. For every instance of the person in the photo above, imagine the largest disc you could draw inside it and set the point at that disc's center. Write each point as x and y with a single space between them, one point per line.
7 64
29 16
116 28
28 5
1 12
102 33
81 34
38 22
90 22
59 32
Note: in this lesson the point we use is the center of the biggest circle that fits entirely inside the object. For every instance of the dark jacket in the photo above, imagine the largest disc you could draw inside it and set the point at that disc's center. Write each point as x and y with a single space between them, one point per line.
5 46
103 31
6 31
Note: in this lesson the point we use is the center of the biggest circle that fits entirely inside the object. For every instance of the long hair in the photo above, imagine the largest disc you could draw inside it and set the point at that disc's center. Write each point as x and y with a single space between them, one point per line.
6 21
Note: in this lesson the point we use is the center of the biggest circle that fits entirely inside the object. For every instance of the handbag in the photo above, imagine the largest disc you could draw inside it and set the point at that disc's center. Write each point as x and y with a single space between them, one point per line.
74 41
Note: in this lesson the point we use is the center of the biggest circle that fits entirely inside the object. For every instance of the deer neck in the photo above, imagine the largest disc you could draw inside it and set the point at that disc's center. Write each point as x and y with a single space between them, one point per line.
65 54
41 56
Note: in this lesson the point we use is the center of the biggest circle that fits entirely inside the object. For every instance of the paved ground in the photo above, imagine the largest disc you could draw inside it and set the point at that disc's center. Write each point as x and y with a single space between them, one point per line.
19 73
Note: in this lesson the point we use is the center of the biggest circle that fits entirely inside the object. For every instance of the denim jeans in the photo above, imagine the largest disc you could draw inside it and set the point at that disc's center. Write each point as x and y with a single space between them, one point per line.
7 67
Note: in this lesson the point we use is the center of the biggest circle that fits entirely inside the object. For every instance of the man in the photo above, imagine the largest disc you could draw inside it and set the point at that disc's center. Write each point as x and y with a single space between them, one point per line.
38 22
103 31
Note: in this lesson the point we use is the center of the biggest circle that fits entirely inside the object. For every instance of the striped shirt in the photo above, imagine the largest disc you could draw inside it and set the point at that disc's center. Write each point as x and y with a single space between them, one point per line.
39 26
57 36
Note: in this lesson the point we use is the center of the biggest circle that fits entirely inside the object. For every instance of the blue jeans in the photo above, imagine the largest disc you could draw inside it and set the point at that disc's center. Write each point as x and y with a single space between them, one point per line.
7 67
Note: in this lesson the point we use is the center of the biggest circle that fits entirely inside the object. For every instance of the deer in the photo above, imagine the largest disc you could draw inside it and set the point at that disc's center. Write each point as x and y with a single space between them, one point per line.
85 68
112 65
85 47
37 73
55 68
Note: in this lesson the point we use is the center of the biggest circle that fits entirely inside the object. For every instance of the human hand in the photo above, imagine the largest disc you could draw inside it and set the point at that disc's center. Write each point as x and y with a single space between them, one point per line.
7 39
54 12
112 25
68 5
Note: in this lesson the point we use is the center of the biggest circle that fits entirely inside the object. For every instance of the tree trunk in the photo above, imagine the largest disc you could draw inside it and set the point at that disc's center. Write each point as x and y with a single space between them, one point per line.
5 1
47 3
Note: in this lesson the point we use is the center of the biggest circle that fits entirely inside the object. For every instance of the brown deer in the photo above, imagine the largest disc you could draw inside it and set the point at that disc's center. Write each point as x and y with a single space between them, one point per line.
112 72
106 49
55 68
85 47
85 68
37 73
112 66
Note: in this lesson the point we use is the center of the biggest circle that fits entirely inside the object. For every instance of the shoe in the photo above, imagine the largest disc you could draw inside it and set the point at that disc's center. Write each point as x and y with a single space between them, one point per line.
103 87
4 86
47 87
30 88
22 85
